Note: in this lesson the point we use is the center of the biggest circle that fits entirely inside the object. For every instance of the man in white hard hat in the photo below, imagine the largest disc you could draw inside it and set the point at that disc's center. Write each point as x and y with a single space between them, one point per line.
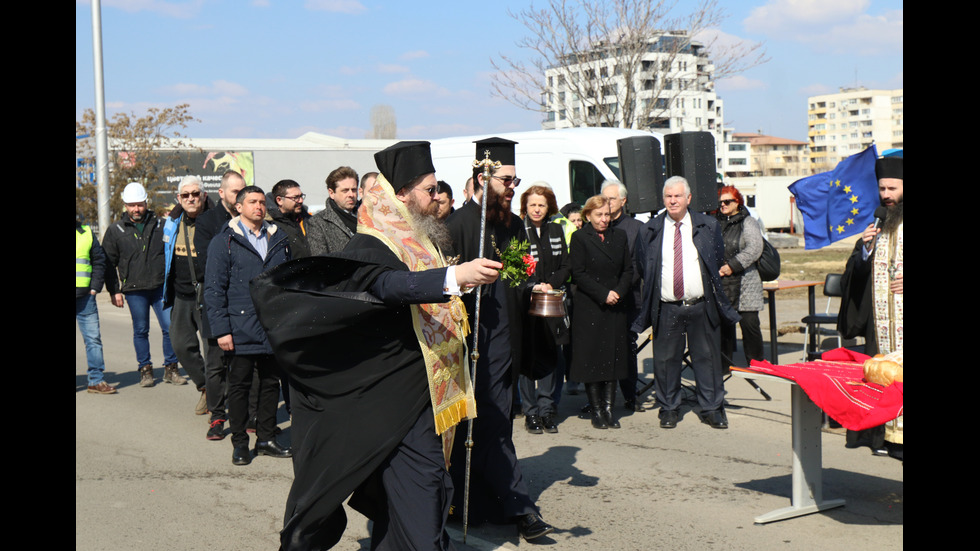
134 246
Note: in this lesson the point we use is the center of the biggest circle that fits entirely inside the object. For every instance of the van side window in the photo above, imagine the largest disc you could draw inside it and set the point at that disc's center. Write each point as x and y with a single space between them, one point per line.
584 179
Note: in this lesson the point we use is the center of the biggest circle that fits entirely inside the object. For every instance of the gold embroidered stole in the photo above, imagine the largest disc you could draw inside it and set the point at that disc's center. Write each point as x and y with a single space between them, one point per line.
888 311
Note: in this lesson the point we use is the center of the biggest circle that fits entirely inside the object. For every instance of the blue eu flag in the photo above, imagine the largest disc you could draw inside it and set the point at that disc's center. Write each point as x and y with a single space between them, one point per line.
839 203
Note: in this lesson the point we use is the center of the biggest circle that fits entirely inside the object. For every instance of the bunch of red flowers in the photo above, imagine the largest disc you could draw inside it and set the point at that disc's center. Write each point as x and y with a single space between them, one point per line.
518 263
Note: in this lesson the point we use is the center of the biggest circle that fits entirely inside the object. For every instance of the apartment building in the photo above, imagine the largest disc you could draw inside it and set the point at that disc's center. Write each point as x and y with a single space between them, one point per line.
667 88
842 124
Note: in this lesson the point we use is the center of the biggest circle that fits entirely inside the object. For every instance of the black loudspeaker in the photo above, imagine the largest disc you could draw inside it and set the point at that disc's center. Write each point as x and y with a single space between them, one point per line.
692 155
642 169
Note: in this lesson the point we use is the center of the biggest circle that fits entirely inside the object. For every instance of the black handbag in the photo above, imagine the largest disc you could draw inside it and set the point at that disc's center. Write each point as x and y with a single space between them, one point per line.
768 263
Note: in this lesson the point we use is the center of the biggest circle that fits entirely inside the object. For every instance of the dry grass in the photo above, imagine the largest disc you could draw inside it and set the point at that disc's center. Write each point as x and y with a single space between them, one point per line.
803 265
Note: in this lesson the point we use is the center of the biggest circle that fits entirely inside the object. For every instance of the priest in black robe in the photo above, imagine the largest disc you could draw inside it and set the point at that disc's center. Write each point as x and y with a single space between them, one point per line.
498 492
372 339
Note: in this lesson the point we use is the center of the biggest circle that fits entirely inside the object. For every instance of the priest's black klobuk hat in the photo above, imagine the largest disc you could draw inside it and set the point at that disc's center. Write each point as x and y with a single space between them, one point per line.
404 162
500 150
889 167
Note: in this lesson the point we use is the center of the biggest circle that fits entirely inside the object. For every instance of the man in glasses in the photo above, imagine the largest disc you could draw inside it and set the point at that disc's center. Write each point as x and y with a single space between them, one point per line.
291 215
182 287
498 490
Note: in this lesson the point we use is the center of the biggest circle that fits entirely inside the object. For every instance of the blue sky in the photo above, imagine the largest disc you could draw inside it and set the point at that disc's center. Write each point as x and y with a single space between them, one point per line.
279 68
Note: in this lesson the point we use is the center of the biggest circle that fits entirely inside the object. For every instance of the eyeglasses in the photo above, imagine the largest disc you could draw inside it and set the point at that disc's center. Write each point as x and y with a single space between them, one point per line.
509 181
431 192
189 194
295 198
726 202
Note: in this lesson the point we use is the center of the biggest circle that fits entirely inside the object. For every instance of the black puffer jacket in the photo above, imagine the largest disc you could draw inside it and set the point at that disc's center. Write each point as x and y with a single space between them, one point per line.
138 256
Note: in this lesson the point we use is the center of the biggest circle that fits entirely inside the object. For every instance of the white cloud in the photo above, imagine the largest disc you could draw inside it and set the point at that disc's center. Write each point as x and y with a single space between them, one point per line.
867 35
352 7
216 88
837 26
785 16
739 83
180 10
431 132
317 106
415 54
413 87
391 68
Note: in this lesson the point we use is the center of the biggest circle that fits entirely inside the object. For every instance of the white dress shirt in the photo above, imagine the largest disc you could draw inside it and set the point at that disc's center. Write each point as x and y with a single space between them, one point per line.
693 287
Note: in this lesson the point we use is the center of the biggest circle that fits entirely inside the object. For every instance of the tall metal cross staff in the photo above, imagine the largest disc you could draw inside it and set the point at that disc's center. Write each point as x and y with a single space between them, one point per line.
488 167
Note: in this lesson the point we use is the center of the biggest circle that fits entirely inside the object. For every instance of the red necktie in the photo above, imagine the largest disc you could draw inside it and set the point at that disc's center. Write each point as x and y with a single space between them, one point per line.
678 263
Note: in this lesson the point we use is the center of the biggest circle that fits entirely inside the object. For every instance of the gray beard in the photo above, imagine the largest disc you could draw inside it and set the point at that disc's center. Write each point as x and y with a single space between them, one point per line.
893 219
430 226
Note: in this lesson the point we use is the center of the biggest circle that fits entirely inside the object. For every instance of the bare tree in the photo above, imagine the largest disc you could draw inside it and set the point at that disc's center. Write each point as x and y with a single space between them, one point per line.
620 63
384 125
135 143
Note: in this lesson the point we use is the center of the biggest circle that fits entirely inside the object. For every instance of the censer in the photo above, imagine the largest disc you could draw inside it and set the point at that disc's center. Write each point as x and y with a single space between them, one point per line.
548 304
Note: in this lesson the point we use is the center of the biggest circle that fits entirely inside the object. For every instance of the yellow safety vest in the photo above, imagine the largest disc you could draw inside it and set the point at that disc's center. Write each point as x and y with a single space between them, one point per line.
83 257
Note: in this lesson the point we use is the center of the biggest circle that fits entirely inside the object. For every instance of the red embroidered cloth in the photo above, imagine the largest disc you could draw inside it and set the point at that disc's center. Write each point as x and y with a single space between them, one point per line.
836 385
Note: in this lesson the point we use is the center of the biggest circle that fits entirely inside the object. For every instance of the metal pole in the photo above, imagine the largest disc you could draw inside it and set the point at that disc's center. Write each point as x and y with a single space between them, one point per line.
487 165
101 140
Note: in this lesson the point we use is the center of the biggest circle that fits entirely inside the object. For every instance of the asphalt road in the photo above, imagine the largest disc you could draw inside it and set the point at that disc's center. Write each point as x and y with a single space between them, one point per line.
147 479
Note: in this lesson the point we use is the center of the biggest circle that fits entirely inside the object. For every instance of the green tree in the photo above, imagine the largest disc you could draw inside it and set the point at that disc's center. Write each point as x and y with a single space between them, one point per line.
141 149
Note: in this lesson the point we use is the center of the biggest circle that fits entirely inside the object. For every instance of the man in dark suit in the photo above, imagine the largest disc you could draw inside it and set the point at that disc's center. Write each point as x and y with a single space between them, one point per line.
679 253
498 490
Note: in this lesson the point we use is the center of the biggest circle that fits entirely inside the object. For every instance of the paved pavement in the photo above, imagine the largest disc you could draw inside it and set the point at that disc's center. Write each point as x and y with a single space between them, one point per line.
146 478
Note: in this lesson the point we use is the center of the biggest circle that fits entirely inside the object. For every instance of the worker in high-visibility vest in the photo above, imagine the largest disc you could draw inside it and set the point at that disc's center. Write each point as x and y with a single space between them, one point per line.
90 275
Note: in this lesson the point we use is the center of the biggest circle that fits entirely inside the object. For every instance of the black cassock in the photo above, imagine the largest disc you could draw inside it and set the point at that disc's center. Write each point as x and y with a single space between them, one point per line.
497 488
854 319
359 395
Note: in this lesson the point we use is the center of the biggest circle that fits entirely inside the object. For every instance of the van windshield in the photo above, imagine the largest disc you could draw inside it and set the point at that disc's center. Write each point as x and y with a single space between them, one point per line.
613 164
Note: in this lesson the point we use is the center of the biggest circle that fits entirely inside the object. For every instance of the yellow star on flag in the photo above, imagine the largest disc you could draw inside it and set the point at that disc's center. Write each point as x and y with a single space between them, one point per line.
847 189
850 221
854 198
840 229
854 211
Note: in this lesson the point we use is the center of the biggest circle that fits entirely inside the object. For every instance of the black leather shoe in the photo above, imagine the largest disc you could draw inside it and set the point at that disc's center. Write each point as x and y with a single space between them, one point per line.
716 419
533 424
242 455
549 424
272 449
668 419
532 526
633 405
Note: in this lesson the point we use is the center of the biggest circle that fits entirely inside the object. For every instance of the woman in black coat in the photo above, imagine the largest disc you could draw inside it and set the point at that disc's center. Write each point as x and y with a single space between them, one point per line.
545 335
602 270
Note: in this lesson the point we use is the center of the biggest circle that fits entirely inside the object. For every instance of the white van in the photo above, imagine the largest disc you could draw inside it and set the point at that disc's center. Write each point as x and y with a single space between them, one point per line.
574 161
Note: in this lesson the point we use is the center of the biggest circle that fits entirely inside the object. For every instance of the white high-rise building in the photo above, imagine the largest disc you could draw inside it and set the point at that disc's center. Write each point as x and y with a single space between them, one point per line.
846 123
667 89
